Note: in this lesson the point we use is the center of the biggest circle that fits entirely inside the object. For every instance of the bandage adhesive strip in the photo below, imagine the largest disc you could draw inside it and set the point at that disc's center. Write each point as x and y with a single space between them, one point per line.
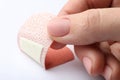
34 41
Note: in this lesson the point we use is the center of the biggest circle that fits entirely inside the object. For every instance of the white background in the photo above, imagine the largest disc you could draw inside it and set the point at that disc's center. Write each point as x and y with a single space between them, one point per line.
14 65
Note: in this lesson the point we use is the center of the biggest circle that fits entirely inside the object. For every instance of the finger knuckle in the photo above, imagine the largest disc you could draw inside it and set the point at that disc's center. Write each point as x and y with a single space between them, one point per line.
93 20
115 50
93 17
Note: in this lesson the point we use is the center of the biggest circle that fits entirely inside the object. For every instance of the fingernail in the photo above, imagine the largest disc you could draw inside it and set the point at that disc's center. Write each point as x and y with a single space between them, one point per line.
88 64
59 27
108 72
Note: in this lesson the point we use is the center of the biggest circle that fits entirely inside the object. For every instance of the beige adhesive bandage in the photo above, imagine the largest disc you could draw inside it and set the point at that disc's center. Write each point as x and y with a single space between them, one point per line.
34 40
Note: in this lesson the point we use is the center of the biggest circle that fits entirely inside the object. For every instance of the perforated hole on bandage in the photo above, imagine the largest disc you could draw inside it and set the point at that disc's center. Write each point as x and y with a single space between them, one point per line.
34 41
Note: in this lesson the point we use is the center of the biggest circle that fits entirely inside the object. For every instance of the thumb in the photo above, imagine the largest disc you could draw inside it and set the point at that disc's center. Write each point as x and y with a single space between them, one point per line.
88 27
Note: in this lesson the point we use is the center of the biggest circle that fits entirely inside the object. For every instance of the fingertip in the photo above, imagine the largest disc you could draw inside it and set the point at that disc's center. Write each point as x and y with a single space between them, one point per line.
107 73
92 58
115 50
112 69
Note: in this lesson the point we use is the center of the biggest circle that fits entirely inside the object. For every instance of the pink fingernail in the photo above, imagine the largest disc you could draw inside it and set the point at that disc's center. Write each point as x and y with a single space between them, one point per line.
59 27
88 64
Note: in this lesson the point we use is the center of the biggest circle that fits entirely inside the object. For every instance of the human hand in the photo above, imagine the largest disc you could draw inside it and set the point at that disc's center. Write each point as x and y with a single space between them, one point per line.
93 27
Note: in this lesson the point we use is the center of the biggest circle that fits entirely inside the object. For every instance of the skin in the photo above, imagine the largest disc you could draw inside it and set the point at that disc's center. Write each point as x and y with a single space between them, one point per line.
94 32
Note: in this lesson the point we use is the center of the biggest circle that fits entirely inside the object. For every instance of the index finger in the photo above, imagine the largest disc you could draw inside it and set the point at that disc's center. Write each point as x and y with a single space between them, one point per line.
73 6
76 6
